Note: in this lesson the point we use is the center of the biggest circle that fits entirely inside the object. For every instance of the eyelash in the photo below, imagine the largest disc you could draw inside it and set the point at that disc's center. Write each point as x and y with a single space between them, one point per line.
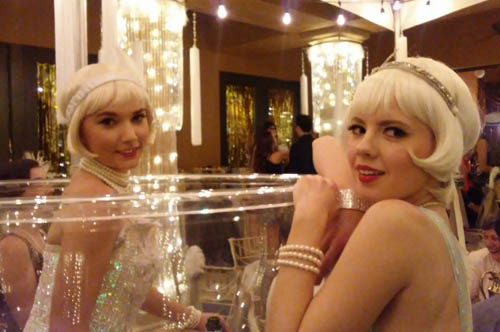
110 121
358 130
354 127
107 122
398 132
139 117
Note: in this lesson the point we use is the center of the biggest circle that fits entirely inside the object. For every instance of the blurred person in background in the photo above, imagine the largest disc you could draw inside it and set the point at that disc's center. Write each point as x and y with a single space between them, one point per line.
301 152
21 250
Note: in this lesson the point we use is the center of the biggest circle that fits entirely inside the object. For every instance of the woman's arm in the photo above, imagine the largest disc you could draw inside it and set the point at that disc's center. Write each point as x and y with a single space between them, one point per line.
18 274
160 306
377 262
330 161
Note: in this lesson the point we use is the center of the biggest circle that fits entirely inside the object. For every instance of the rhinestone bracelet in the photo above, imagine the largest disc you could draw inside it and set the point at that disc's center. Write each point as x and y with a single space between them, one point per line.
301 266
349 199
303 248
193 319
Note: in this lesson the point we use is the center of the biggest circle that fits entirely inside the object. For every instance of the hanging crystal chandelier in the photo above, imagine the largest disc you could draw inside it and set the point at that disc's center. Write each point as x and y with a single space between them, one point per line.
336 71
151 32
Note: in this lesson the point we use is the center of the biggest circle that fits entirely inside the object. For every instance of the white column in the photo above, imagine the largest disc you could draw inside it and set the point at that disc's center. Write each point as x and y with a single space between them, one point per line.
71 42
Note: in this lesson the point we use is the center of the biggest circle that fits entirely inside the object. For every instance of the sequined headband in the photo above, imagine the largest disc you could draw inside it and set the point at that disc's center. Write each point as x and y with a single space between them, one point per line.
426 76
84 91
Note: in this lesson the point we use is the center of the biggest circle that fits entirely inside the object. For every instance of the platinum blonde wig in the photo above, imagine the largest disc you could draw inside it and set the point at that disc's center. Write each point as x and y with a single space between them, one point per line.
416 97
112 90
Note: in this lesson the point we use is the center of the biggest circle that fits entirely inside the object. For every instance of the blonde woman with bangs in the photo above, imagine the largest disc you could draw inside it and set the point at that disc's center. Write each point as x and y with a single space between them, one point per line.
374 224
110 122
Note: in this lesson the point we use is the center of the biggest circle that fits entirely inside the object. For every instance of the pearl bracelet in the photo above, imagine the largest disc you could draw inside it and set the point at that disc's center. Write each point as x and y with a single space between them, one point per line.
294 254
301 247
193 319
349 199
301 266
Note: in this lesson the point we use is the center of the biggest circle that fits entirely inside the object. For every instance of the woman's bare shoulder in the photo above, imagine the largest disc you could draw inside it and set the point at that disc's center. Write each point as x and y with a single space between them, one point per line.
86 184
396 215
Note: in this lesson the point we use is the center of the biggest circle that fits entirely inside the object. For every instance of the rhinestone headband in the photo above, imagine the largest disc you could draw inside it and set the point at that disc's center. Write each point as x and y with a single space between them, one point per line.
84 91
426 76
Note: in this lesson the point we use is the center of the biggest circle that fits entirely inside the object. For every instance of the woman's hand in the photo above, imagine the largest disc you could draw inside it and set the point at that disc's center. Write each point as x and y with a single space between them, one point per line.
204 319
315 201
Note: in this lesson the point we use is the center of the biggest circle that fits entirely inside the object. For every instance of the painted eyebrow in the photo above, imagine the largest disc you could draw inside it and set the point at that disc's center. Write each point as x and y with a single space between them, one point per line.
392 122
109 113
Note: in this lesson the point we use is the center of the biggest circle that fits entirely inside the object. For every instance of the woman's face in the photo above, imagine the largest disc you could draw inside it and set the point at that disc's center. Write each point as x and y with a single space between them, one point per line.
37 189
492 242
377 148
117 134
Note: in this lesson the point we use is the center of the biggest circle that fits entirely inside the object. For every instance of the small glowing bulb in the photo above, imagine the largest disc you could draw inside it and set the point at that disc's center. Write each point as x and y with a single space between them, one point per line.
173 156
157 160
396 5
151 72
40 89
341 19
135 26
165 126
287 18
160 111
222 11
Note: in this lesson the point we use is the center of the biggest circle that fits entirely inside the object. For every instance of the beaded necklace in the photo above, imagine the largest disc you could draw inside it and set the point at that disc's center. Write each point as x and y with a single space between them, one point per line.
116 180
432 203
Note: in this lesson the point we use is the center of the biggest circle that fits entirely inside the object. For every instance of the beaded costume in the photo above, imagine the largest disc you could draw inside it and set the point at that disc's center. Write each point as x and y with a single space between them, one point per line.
134 265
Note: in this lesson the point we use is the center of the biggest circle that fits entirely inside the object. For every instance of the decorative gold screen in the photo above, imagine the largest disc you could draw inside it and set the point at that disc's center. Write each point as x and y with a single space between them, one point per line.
240 110
281 109
51 137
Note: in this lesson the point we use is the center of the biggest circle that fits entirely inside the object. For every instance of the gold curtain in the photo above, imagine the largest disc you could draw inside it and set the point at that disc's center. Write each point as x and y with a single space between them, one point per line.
240 110
281 107
51 137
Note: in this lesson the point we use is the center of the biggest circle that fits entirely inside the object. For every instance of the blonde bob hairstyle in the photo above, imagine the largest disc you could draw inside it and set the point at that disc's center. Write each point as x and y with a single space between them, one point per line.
101 97
415 97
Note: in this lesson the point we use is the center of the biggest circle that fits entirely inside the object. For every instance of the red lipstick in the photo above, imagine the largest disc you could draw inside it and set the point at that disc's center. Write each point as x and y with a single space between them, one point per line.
367 174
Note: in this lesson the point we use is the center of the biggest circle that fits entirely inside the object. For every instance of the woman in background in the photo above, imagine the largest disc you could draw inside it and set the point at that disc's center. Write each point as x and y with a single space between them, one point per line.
21 250
268 159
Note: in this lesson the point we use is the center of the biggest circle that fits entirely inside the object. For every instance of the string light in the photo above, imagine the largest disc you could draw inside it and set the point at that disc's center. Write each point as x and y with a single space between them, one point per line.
221 11
396 5
287 18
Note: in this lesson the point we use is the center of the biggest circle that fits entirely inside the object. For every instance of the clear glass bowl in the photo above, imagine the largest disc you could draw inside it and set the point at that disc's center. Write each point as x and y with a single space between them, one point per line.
203 240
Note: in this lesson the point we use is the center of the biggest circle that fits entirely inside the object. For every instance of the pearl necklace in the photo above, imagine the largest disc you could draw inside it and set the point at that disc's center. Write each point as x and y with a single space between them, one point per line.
432 203
116 180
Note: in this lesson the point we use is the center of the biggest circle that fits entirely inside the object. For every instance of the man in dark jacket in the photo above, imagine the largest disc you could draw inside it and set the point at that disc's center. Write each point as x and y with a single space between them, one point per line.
301 160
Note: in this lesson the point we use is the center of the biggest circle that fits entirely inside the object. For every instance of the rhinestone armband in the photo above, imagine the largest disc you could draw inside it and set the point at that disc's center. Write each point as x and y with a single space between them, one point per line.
349 199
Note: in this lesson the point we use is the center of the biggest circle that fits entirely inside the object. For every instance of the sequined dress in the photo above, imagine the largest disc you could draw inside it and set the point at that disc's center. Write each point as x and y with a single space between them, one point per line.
135 263
7 321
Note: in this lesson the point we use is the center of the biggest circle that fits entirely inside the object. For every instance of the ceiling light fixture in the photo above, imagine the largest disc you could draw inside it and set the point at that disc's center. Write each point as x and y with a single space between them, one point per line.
382 10
287 18
221 11
340 19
